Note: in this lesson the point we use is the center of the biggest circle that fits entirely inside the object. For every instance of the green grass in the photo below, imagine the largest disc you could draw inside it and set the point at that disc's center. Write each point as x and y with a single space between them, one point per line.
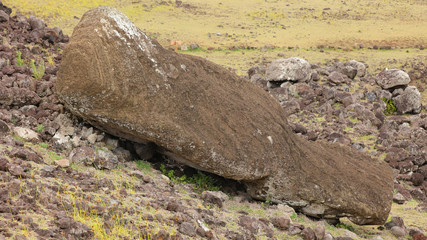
19 60
17 138
144 166
201 181
54 156
40 128
38 72
348 129
355 120
390 107
346 226
296 218
43 145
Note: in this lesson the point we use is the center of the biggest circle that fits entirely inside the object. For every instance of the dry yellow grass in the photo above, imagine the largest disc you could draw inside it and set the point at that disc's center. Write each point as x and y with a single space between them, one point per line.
257 22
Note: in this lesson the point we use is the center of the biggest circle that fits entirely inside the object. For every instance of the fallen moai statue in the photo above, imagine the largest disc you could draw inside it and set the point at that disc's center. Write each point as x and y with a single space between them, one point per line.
200 114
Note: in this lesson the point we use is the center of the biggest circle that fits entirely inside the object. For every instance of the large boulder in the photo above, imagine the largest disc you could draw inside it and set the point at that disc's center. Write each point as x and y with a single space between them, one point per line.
392 78
200 114
360 67
288 69
409 101
5 9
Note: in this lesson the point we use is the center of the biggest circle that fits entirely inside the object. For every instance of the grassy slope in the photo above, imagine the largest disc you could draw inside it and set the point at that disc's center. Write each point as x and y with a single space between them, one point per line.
257 22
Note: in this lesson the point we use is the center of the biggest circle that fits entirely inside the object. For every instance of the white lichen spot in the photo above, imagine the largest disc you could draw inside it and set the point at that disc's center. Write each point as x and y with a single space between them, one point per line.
202 225
270 139
130 35
213 154
184 67
126 25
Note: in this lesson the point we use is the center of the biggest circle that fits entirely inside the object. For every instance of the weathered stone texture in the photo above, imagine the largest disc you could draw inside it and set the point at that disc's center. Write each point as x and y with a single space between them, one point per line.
202 115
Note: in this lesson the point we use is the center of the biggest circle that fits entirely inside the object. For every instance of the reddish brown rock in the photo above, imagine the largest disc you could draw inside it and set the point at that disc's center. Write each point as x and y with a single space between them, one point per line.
3 164
282 223
18 97
198 113
392 78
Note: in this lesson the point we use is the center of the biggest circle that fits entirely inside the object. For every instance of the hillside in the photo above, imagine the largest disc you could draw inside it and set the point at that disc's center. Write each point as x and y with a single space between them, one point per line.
51 189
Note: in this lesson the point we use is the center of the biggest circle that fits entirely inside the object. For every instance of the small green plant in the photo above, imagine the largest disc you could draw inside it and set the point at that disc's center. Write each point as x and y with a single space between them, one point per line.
348 129
100 148
40 128
171 175
19 60
201 182
54 156
143 166
294 217
355 120
18 138
43 145
345 226
267 202
38 72
390 107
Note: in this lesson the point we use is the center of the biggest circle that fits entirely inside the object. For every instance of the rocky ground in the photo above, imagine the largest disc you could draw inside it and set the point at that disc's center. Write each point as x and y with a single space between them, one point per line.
63 179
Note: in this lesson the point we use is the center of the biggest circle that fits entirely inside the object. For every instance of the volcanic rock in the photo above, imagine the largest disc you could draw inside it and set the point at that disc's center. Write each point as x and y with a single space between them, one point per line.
289 69
398 231
36 23
391 78
4 17
7 10
360 67
198 113
346 69
26 134
4 128
187 228
409 101
308 234
18 96
282 223
338 78
399 198
213 197
3 164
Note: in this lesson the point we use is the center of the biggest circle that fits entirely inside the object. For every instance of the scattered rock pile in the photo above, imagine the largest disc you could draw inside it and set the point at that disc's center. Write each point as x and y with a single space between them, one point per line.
341 103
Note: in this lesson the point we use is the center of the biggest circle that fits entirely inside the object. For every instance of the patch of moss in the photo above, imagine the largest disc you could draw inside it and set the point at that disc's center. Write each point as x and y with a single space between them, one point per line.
390 107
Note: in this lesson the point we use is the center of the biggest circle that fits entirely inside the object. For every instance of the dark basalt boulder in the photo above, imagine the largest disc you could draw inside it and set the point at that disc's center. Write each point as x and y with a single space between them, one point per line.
200 114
